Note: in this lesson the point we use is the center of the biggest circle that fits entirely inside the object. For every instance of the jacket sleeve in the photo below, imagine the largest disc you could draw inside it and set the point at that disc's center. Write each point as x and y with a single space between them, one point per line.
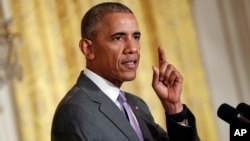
179 132
176 132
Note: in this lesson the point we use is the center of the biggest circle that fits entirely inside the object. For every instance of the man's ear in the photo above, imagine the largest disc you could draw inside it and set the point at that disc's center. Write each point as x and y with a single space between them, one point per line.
86 47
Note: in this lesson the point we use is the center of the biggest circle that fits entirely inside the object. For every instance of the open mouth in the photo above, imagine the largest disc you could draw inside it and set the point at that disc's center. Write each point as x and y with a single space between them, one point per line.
131 64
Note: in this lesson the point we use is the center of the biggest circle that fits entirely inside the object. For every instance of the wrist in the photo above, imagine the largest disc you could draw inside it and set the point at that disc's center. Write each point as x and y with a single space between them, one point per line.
181 116
173 108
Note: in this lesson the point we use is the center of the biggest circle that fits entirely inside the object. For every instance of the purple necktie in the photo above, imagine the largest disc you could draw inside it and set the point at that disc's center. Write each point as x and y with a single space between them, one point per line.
127 110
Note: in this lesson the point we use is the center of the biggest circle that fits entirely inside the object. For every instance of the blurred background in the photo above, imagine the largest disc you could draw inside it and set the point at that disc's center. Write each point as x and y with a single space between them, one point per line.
208 41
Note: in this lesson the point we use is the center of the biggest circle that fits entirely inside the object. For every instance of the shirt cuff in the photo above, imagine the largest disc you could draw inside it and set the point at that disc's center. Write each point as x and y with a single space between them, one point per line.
179 117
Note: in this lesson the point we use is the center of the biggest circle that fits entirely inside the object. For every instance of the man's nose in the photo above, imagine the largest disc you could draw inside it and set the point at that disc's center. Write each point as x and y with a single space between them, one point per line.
132 47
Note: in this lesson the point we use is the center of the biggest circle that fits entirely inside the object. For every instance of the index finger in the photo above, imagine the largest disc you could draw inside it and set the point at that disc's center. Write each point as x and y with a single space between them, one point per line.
162 56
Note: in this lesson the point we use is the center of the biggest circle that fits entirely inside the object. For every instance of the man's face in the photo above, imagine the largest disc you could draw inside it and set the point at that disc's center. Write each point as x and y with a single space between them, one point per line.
117 48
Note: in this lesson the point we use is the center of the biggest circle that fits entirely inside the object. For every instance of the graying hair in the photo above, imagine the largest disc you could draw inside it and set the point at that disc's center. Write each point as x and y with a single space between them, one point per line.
95 15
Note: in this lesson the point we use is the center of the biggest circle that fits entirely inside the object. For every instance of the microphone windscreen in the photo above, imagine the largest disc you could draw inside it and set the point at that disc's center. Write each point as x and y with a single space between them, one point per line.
244 109
228 113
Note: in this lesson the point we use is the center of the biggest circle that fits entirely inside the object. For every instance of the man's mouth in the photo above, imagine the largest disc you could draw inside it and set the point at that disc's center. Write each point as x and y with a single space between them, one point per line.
131 64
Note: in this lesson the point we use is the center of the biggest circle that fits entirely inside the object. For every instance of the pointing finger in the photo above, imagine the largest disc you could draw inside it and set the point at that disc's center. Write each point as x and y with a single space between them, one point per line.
162 63
161 56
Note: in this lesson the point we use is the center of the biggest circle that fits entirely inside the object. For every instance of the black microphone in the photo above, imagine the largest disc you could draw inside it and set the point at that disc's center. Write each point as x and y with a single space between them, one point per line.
244 109
231 115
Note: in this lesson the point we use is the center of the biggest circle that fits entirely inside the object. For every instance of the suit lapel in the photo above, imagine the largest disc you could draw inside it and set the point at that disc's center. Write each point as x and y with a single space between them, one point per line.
107 107
115 115
144 122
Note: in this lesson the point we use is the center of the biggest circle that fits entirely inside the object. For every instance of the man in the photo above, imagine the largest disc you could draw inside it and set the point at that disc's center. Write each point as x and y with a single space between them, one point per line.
96 109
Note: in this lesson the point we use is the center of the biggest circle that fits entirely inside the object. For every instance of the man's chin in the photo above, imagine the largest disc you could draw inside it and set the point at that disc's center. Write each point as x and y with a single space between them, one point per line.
130 77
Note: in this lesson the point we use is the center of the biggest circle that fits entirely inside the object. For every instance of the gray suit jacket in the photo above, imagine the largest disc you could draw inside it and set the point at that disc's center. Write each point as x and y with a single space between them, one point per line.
87 114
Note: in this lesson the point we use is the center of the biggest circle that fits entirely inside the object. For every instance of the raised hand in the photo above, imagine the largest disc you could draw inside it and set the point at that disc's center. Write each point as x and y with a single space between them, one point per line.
167 83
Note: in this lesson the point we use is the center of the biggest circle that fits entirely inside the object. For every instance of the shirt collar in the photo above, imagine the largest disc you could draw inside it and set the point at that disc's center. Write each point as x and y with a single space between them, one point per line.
106 86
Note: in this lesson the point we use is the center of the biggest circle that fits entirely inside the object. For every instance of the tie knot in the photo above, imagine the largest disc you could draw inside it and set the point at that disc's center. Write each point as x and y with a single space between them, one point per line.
121 98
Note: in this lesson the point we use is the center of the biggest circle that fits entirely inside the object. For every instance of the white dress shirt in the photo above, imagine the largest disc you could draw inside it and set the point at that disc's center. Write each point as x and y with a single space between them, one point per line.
106 87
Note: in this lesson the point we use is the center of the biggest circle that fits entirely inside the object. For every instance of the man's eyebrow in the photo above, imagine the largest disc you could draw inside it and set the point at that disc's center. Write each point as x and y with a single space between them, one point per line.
137 33
117 34
123 33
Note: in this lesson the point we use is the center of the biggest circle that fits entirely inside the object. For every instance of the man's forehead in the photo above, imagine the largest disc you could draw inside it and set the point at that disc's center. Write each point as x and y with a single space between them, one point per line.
119 17
114 23
119 20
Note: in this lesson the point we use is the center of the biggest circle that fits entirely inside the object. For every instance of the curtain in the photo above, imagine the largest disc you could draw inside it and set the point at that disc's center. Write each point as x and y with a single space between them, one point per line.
51 60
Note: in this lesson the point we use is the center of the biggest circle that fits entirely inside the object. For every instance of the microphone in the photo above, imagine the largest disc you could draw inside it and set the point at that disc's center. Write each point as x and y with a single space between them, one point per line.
231 115
244 109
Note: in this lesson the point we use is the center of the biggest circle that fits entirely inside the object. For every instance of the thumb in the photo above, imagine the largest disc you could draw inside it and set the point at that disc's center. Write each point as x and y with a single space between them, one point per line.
155 76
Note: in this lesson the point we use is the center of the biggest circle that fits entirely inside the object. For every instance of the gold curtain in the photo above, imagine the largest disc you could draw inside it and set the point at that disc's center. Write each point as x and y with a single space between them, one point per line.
51 60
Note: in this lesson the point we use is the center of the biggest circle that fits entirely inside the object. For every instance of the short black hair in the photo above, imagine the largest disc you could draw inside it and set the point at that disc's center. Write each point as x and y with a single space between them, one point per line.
94 16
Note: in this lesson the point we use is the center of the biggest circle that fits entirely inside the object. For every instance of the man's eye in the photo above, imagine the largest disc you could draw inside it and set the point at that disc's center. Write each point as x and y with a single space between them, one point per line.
118 38
137 37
